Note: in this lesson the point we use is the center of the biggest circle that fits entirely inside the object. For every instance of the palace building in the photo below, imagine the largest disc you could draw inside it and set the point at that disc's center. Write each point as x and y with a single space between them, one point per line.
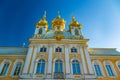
59 54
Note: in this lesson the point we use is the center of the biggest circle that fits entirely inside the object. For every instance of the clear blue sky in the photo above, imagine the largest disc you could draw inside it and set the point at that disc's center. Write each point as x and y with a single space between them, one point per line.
100 19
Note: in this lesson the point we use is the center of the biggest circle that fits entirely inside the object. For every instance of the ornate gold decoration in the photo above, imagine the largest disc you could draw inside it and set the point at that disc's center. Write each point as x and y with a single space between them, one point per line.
42 22
74 23
58 37
58 22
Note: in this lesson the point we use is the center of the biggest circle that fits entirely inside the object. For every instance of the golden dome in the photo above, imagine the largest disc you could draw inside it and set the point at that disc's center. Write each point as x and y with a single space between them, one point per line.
58 22
42 22
74 23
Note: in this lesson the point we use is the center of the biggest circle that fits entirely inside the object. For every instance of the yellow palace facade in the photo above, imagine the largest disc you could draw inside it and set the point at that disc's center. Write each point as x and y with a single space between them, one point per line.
59 54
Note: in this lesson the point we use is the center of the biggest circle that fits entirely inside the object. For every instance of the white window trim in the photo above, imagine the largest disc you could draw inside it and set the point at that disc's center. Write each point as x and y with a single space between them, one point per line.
14 66
2 65
54 66
112 67
118 63
36 62
81 69
101 68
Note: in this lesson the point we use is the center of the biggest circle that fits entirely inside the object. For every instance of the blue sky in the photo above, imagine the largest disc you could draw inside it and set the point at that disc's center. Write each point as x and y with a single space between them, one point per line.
100 19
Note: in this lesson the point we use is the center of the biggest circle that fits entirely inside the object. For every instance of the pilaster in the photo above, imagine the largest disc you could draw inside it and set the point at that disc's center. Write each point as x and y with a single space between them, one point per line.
49 72
68 75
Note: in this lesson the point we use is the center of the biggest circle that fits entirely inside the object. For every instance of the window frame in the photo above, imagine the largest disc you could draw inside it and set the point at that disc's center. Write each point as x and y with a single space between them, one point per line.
118 64
107 62
58 49
59 63
14 67
74 50
43 49
36 65
76 66
2 65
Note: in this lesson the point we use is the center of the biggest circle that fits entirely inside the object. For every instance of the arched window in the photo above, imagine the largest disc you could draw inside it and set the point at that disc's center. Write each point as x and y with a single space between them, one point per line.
118 64
40 67
97 70
40 31
76 32
76 67
119 67
109 68
43 49
58 66
73 49
58 49
17 69
5 69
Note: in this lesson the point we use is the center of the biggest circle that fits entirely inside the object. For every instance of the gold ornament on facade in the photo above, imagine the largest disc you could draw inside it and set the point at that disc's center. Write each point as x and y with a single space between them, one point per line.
58 37
74 23
42 22
58 22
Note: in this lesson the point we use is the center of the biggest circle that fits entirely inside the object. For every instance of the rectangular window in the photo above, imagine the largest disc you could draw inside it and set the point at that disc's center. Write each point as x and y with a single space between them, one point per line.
45 49
97 70
5 69
17 69
109 70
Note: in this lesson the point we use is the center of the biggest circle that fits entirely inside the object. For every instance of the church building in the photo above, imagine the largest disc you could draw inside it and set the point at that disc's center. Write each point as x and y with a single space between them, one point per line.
59 54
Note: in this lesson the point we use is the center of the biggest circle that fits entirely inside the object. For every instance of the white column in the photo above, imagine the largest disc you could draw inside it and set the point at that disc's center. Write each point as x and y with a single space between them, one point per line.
83 61
27 62
73 31
36 31
67 62
49 61
88 61
33 60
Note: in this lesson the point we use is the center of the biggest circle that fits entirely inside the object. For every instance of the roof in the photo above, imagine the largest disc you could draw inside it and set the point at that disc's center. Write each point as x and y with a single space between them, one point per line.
13 50
103 52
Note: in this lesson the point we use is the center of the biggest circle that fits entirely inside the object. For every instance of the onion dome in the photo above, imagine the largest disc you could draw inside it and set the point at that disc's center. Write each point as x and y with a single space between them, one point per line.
74 23
58 23
43 22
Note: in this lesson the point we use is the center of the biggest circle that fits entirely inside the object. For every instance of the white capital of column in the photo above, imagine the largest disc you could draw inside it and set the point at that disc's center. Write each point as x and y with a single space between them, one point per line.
27 62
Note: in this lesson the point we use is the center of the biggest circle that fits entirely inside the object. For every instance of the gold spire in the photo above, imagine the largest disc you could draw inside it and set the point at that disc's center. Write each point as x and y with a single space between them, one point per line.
42 22
74 23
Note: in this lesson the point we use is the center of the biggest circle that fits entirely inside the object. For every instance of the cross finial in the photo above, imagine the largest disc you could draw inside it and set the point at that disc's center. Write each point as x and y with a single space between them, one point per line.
44 17
58 14
73 18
